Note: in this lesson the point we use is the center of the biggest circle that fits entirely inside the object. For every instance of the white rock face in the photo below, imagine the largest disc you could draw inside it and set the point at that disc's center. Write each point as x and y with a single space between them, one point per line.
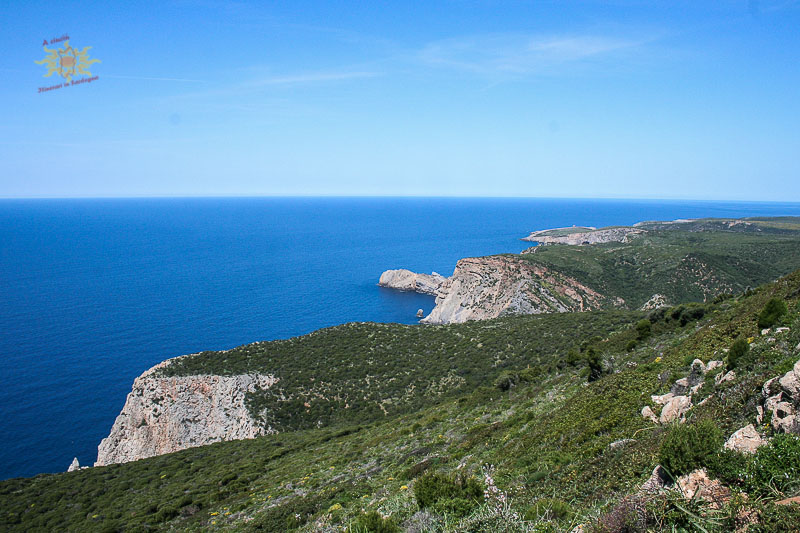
675 409
745 440
405 280
576 238
167 414
656 301
488 287
75 465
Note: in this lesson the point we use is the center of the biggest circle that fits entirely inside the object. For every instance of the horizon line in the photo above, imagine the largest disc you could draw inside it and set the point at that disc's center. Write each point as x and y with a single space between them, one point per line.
399 196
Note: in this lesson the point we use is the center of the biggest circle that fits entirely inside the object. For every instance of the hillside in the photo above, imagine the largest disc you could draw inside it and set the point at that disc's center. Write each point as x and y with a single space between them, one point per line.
555 444
621 267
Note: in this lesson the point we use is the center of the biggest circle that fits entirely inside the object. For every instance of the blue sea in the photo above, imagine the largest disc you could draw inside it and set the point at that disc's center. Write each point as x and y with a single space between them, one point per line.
94 292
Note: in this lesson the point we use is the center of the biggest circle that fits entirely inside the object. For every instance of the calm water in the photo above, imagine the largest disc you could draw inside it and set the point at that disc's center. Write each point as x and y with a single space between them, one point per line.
93 292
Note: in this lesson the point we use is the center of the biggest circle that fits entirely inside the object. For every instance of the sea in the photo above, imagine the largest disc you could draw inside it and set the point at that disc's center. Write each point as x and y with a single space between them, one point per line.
95 291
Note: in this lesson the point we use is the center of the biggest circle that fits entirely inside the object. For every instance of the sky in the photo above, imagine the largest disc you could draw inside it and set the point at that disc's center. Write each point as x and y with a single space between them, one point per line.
619 99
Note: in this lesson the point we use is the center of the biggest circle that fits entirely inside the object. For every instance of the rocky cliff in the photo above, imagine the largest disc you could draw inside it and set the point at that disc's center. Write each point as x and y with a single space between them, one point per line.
167 414
574 236
488 287
405 280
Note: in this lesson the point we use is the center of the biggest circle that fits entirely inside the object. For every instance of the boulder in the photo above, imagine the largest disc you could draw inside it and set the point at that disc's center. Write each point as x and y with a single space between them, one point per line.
680 387
656 482
74 466
698 485
713 365
648 414
696 373
675 409
617 444
663 399
782 330
722 378
745 440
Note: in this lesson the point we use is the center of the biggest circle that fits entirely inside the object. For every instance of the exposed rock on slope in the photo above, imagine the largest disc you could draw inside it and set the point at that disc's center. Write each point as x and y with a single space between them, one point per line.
167 414
405 280
488 287
591 236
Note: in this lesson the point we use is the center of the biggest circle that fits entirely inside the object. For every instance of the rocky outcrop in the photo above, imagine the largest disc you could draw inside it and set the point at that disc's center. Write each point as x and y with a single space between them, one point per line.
656 301
576 237
493 286
75 465
782 401
405 280
167 414
745 440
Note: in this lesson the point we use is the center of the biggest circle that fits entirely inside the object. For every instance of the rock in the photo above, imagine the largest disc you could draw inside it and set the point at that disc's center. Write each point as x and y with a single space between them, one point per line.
656 301
620 443
784 418
713 365
745 440
420 313
648 414
698 485
681 386
696 388
675 409
764 331
771 387
791 385
405 280
575 237
722 378
75 465
493 286
656 482
782 330
759 415
789 501
663 399
167 414
696 372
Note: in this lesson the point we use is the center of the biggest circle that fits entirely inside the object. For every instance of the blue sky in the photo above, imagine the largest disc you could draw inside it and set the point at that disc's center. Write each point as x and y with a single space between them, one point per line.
680 99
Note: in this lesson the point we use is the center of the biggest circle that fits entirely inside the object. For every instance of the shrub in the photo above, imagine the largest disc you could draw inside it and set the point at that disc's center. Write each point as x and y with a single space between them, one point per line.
595 363
775 466
738 349
631 345
687 448
728 466
643 329
435 487
773 311
373 522
549 509
506 380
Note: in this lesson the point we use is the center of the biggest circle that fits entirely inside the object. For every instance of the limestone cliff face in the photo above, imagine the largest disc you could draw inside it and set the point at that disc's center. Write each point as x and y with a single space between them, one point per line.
591 236
488 287
405 280
167 414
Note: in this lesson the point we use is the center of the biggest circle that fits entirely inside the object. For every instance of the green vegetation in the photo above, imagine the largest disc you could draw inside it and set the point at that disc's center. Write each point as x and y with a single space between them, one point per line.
773 311
689 447
687 262
407 423
738 350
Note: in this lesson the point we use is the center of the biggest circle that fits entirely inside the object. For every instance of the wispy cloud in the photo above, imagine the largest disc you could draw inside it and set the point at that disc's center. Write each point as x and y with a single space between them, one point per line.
148 78
307 78
516 54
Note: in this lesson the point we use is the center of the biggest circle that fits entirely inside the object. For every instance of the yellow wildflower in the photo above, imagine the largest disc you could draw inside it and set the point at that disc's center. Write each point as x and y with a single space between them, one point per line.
404 487
658 359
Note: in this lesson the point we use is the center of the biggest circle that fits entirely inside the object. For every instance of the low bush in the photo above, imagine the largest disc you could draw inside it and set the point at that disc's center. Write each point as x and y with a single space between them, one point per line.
772 313
437 488
738 350
776 466
643 329
373 522
688 447
549 509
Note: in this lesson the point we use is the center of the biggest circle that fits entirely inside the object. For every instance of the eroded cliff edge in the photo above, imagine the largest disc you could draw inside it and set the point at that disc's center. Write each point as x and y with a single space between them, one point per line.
167 414
493 286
